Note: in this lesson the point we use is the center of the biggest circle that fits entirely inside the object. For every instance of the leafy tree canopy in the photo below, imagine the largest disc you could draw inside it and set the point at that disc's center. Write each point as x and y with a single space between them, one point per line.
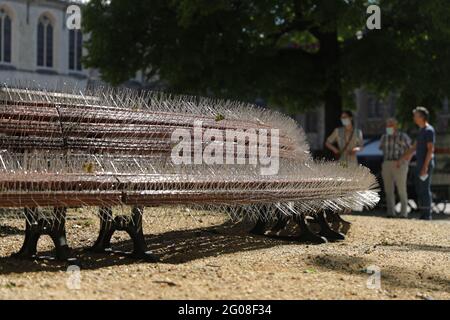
293 53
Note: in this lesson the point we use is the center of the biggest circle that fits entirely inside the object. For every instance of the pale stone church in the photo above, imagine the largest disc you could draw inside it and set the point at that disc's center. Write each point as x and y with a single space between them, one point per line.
37 48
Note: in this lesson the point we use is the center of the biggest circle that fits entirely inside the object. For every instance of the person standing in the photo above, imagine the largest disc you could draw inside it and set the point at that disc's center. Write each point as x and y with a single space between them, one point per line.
346 141
424 148
394 170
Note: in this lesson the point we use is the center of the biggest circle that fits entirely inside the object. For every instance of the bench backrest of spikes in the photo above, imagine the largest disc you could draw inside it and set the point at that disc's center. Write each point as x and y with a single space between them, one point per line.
49 122
105 148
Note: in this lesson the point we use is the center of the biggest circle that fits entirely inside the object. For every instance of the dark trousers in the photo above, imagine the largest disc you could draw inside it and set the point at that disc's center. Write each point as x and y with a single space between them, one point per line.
423 190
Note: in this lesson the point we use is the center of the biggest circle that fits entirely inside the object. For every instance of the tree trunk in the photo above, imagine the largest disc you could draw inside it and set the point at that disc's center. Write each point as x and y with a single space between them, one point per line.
330 62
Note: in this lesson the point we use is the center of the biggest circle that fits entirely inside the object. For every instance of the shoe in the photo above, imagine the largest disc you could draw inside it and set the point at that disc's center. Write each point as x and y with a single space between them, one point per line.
425 217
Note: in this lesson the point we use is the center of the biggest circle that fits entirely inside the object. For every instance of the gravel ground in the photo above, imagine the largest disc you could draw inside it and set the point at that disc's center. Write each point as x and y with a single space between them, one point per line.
203 257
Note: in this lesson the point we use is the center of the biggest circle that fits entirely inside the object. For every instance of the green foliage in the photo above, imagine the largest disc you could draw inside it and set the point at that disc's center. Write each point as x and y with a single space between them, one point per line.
288 52
219 117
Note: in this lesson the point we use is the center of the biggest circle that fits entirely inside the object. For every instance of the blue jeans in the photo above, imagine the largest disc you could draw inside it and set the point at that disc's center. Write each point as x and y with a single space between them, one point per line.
423 190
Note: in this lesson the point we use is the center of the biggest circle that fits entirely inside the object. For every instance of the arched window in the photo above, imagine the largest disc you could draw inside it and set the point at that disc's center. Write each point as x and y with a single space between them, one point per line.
45 42
75 49
5 37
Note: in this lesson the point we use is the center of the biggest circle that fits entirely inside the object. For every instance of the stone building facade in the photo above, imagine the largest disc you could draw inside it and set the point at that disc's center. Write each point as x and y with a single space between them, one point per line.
37 48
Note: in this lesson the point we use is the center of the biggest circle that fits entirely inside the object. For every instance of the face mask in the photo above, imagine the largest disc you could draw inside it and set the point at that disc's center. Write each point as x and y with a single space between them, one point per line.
345 122
390 131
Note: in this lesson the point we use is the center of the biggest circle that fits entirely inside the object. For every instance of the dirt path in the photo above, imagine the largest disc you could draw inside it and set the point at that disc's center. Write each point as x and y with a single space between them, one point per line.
200 261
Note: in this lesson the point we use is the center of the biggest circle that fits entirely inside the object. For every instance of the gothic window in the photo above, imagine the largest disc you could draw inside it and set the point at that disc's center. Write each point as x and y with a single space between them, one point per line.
75 49
374 107
5 36
45 43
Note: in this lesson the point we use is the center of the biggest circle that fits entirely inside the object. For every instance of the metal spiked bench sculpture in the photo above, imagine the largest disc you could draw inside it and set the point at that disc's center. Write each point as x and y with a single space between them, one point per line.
105 148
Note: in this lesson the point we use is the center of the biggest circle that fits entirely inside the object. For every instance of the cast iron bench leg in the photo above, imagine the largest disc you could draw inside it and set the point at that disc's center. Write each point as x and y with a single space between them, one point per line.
325 229
306 233
132 226
55 227
103 242
337 223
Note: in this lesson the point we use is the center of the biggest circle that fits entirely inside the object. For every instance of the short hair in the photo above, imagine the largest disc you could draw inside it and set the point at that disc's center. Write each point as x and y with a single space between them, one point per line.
348 112
423 111
391 119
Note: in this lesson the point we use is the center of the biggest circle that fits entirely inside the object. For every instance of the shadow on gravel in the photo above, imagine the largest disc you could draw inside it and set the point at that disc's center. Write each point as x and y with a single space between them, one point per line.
412 215
8 230
420 247
391 276
173 247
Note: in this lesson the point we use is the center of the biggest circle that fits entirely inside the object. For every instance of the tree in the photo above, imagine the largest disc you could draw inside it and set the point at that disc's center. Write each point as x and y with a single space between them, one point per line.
297 54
